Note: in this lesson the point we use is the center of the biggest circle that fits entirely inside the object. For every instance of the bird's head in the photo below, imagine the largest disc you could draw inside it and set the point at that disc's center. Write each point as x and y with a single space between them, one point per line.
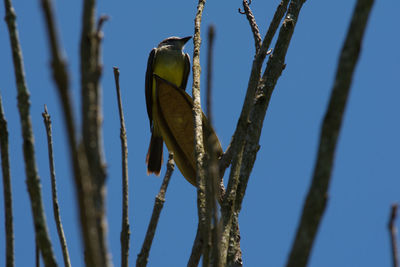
174 42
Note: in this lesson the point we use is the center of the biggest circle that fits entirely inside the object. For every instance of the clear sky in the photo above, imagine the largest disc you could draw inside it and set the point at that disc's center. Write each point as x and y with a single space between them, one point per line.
366 176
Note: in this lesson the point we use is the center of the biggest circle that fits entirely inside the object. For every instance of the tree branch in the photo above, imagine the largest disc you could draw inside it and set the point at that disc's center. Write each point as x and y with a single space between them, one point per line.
198 129
197 249
214 183
252 22
83 185
32 176
37 254
234 256
239 139
275 66
393 234
252 84
5 167
91 70
316 200
56 209
143 256
125 231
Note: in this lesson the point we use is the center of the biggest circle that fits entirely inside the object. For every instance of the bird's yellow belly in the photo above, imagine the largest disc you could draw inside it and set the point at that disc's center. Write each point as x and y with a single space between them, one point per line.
171 71
170 67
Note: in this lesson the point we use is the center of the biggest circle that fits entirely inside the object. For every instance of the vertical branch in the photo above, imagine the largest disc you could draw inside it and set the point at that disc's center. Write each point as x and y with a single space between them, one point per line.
125 231
211 35
89 93
315 203
83 185
56 209
212 182
393 234
5 167
143 256
198 130
206 226
91 70
32 176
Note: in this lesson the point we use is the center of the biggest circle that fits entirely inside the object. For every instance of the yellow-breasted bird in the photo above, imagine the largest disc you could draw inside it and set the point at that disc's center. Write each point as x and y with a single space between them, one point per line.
169 108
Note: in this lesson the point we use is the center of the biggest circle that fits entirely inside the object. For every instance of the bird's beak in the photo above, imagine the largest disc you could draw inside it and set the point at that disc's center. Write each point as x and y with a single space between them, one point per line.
185 39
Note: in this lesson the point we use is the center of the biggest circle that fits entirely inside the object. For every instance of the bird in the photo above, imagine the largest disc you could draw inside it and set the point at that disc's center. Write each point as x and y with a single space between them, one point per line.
169 108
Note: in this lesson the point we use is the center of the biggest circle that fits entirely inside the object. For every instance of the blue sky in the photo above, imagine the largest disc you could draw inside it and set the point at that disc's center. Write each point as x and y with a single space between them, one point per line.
366 176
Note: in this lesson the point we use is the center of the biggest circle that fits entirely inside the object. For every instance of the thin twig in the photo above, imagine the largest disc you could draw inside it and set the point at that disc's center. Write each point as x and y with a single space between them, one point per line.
211 35
393 234
56 209
143 256
5 167
197 249
83 184
125 231
212 182
253 23
197 120
32 176
316 200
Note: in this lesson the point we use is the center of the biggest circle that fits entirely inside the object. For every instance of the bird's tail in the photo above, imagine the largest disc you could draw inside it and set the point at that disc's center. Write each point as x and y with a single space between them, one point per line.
154 156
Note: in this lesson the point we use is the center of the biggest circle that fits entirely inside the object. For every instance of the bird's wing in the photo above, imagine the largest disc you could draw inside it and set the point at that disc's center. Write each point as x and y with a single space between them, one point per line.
149 85
175 114
186 72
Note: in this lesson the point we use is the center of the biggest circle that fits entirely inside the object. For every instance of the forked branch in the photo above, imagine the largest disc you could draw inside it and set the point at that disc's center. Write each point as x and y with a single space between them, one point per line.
83 184
245 141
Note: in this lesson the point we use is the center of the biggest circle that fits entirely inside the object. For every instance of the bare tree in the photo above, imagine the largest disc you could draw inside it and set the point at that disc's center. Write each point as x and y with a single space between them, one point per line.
218 236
